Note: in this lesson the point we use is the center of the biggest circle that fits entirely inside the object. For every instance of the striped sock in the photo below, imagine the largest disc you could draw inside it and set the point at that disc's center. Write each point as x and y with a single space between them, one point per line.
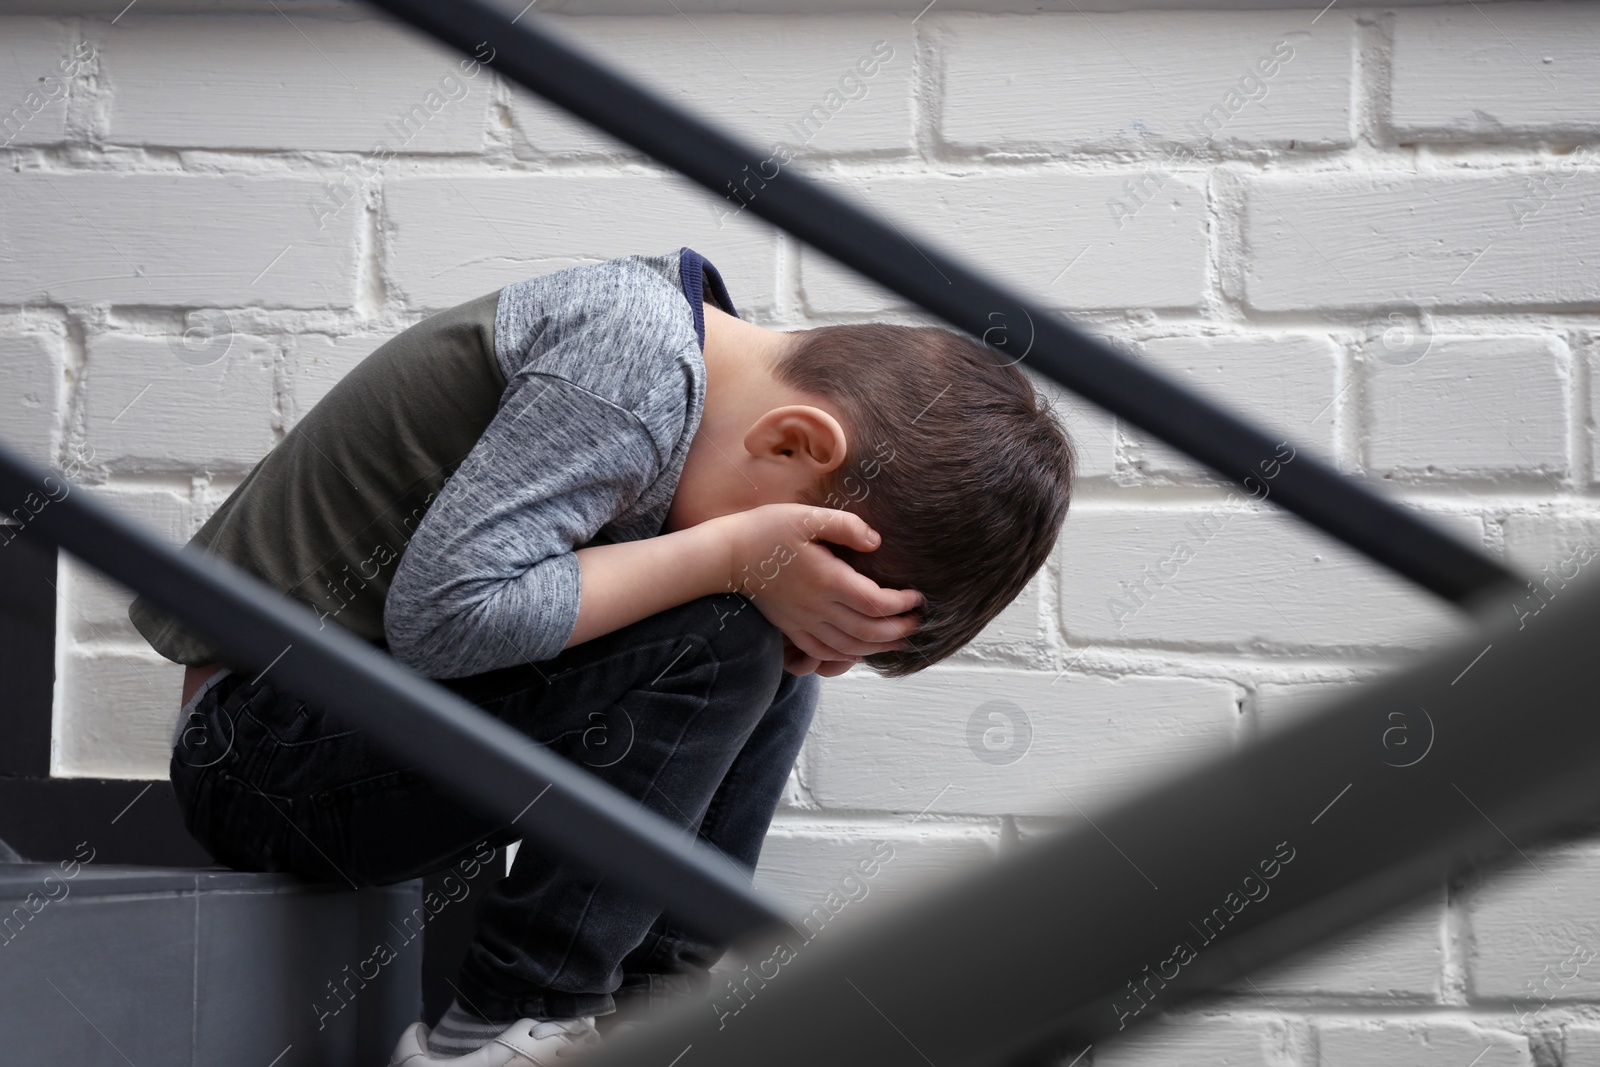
461 1033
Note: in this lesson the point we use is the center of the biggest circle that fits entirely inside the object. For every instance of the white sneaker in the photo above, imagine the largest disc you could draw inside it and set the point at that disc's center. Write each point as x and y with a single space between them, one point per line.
525 1042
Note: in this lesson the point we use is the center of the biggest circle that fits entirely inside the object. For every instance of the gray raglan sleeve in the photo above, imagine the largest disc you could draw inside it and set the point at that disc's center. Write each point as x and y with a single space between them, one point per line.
490 578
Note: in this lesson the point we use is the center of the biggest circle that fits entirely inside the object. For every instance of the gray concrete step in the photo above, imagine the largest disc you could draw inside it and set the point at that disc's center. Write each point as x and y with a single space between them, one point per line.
162 967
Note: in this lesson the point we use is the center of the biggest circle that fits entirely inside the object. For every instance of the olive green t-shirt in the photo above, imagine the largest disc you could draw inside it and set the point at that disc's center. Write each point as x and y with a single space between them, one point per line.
326 514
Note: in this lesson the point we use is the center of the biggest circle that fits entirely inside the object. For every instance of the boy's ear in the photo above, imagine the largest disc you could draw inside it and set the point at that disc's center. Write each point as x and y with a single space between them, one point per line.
799 432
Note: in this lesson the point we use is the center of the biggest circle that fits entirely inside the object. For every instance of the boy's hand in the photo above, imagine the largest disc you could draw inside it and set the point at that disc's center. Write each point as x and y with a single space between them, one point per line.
826 609
797 662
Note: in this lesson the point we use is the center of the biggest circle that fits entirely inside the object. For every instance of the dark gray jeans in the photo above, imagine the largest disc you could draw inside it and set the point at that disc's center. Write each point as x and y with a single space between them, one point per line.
689 711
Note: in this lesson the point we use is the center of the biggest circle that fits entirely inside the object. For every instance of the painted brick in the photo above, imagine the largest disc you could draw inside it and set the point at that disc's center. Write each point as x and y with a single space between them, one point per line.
758 76
1580 1045
1419 1044
801 863
1277 704
1180 78
33 87
1257 578
1019 628
1458 240
1401 956
1187 1041
914 744
1047 232
94 608
1550 547
1287 384
1471 74
1591 432
1093 432
190 240
1488 407
1529 919
293 82
31 395
453 239
117 712
149 410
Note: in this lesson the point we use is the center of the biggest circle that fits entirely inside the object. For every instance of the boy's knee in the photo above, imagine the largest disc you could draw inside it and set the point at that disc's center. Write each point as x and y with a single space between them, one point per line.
738 637
734 628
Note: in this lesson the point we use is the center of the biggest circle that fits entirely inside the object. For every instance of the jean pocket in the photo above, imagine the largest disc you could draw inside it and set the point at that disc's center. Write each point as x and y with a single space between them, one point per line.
242 827
395 826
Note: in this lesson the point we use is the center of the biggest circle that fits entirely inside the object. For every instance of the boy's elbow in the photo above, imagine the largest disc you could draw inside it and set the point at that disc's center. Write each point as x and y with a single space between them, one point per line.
443 650
414 626
414 646
428 659
404 649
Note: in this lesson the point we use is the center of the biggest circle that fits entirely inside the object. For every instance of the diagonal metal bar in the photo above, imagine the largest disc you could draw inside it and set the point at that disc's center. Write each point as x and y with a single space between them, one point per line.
462 748
1258 854
1017 328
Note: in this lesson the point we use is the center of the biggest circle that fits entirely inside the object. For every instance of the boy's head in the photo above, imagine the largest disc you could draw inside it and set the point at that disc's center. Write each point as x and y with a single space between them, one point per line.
952 456
938 442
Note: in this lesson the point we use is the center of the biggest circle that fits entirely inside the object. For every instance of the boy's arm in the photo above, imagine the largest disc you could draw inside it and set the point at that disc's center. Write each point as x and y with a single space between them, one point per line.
826 608
489 579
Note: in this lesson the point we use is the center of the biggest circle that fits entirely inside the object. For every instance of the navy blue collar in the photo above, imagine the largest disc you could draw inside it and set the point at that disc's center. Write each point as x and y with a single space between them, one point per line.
700 281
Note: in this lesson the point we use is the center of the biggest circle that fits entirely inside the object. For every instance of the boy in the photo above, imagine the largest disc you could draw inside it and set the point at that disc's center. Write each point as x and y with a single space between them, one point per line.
605 509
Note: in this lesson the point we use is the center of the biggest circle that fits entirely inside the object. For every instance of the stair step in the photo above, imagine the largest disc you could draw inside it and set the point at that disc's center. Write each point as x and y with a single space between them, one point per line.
103 965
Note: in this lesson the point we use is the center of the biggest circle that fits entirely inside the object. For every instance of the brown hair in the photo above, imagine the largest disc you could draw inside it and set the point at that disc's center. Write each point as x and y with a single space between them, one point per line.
953 457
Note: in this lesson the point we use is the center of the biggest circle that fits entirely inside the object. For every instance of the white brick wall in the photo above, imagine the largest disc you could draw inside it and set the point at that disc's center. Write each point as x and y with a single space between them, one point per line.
36 96
1133 82
1540 62
1081 259
762 76
1286 382
172 240
1493 407
177 82
32 384
805 859
1430 1043
452 239
1382 243
1304 249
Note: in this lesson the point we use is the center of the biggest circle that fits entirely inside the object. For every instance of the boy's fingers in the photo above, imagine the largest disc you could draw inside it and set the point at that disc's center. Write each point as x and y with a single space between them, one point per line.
871 599
856 646
884 634
797 662
906 600
814 647
856 590
843 528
